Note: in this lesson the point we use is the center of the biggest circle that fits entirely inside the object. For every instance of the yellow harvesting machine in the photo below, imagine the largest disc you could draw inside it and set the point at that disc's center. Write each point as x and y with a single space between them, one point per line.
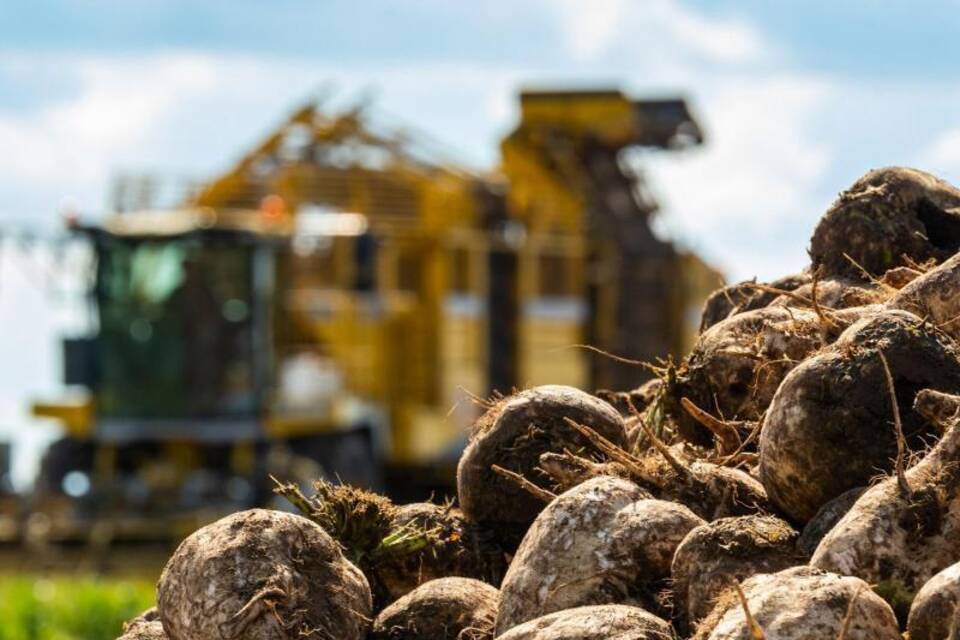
335 302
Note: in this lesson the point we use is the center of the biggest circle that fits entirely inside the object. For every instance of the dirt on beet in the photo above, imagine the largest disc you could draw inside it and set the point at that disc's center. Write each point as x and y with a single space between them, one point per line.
719 554
889 218
602 542
399 547
146 626
513 434
829 427
604 622
801 604
259 575
442 609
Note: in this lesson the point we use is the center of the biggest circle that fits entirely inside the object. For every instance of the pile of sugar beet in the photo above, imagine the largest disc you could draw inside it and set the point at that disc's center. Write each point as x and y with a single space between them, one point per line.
796 476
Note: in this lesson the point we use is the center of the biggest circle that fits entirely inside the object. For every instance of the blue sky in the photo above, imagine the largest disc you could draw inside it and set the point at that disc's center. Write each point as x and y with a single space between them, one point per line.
798 99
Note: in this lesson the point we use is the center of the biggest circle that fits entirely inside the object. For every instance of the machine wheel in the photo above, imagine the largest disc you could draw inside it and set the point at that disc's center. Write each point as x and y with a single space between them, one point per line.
61 457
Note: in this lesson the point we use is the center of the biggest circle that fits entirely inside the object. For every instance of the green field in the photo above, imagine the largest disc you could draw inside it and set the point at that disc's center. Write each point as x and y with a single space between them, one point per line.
69 608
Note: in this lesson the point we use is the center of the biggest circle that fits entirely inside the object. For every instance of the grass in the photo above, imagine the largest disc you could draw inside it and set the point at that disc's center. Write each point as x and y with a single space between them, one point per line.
69 608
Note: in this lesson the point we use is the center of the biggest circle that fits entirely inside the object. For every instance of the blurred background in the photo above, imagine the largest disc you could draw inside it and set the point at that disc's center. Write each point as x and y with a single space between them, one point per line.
310 238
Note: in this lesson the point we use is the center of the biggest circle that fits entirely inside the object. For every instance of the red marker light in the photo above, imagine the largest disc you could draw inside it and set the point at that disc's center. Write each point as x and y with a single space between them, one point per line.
273 207
69 213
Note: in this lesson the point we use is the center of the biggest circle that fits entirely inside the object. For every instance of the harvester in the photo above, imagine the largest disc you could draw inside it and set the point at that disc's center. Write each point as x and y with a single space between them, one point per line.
339 302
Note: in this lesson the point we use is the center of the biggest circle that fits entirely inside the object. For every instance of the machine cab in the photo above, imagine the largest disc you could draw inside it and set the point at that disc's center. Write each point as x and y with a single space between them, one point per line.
183 305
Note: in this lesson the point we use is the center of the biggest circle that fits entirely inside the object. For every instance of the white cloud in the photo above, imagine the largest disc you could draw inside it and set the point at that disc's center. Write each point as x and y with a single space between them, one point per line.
121 101
193 113
760 150
590 26
70 146
594 27
760 171
942 155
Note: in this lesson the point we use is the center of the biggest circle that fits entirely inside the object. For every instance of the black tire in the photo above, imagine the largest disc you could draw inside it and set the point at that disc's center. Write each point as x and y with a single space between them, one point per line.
61 457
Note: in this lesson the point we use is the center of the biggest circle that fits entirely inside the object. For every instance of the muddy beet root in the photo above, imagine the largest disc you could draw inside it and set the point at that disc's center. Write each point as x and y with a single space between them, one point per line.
513 434
144 631
801 604
602 542
604 622
717 555
825 519
902 531
736 366
721 303
830 426
262 575
443 609
934 296
710 490
668 473
146 626
626 402
745 296
935 612
835 293
886 218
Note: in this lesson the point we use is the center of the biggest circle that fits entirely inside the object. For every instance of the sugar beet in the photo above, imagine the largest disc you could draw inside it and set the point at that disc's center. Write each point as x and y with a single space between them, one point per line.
602 542
935 296
745 296
829 426
710 490
262 575
716 555
146 626
801 604
825 520
603 622
888 218
442 609
901 532
935 612
736 366
513 434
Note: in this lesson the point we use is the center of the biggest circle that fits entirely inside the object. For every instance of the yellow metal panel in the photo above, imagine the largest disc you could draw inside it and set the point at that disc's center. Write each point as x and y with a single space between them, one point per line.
243 458
464 360
76 417
447 202
607 115
433 436
548 352
281 426
407 349
539 196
